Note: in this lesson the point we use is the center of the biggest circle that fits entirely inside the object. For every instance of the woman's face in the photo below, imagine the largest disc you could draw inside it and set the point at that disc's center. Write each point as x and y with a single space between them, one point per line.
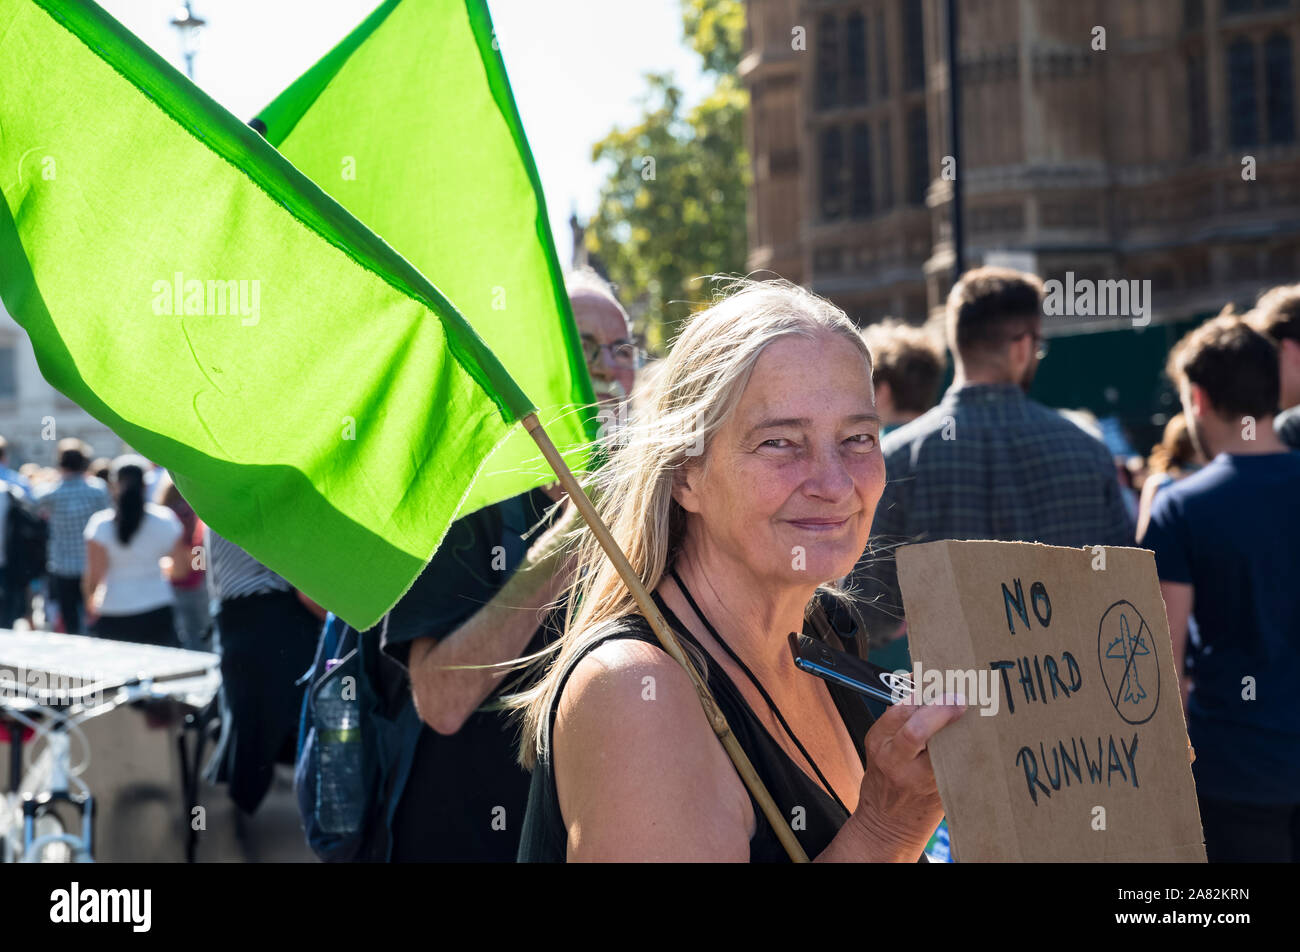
793 476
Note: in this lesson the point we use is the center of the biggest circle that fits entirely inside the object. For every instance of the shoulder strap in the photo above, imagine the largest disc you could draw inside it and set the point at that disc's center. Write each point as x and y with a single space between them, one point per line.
852 706
821 624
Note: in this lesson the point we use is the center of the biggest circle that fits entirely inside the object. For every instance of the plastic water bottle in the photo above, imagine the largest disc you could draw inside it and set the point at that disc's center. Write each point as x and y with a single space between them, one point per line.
340 795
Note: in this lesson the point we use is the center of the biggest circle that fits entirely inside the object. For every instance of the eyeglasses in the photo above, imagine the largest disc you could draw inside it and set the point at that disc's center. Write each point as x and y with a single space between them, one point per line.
622 353
1039 339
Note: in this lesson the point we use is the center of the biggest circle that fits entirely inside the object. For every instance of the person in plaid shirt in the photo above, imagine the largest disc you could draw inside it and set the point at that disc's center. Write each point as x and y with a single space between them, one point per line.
988 462
69 505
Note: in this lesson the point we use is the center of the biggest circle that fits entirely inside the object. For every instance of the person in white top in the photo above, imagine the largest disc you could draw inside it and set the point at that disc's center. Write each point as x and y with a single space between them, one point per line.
127 583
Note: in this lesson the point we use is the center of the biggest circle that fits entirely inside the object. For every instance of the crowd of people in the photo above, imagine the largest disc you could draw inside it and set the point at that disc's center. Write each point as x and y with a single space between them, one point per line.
512 680
86 551
710 535
110 548
1218 502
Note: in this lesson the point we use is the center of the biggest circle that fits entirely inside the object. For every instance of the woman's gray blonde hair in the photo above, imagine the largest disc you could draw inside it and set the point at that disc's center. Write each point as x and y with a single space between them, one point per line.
695 391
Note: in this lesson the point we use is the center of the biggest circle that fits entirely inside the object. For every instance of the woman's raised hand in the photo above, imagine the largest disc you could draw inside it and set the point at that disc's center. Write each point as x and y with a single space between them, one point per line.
899 805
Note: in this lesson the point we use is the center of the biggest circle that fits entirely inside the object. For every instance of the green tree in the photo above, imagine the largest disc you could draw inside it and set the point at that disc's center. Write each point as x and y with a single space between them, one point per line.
716 30
673 207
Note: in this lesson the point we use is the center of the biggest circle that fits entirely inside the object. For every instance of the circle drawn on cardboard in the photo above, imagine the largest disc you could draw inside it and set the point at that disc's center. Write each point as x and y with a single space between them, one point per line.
1130 667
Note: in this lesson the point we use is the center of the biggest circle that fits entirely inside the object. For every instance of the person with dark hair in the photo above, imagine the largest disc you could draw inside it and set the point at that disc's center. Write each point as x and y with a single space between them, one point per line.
69 504
125 547
266 633
1225 542
907 366
1174 457
988 462
1277 317
102 468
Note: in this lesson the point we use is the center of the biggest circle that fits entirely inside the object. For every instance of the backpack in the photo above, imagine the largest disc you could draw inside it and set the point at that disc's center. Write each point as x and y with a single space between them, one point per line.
26 540
389 732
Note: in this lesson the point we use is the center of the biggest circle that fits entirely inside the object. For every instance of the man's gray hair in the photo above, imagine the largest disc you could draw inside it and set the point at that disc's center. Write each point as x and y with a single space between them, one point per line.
587 279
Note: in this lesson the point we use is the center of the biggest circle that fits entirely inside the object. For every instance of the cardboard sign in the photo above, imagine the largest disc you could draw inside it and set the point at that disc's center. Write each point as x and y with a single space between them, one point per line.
1082 755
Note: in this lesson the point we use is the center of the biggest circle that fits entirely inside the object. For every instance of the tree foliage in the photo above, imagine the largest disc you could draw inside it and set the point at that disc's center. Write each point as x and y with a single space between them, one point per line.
716 30
672 209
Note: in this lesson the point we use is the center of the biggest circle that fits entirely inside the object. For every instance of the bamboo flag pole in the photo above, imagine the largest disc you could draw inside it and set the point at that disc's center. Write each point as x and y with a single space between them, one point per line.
666 637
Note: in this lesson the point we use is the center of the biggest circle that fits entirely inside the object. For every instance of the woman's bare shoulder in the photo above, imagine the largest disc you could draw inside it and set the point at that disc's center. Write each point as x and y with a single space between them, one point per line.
632 742
620 676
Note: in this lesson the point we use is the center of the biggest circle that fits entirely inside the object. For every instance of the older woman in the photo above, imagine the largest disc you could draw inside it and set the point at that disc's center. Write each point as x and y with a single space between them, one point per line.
752 482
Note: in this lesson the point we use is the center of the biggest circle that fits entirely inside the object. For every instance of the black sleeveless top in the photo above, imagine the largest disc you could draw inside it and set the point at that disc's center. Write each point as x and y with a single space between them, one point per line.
545 838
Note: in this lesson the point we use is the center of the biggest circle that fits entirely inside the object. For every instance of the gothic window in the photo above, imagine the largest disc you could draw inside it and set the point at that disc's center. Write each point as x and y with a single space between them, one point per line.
1198 113
913 45
886 166
828 62
882 59
1279 99
1243 109
861 204
918 156
855 55
832 174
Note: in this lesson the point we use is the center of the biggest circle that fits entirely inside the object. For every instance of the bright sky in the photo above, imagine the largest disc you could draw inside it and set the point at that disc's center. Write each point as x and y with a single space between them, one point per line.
576 67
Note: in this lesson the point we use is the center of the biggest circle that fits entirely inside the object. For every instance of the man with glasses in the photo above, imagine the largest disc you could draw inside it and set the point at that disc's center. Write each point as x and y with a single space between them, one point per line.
612 355
988 462
456 793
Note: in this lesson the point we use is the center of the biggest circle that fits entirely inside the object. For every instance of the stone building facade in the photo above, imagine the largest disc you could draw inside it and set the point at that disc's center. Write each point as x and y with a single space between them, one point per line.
1152 140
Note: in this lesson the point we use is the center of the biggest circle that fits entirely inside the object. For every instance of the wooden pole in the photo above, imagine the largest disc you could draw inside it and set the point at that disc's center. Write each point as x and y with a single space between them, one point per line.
669 641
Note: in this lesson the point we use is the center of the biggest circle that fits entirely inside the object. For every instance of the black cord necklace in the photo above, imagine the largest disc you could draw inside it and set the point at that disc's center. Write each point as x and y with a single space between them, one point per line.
686 592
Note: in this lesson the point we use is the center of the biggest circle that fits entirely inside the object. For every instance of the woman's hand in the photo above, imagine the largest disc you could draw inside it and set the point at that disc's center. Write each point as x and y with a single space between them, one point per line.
899 805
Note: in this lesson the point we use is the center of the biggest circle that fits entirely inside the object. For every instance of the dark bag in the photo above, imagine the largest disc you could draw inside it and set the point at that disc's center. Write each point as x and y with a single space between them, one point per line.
387 744
26 540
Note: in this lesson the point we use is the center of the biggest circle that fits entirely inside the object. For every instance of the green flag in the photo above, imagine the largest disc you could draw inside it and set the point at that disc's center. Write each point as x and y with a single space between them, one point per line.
409 123
317 398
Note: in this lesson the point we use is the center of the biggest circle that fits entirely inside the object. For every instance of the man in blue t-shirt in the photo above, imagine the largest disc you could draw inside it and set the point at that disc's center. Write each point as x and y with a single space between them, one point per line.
1227 552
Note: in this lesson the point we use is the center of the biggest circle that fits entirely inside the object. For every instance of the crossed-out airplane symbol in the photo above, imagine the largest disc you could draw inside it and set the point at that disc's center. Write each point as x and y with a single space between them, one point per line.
1125 648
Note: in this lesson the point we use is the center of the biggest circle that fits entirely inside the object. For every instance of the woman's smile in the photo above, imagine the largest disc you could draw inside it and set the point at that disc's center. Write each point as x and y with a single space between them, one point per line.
820 525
